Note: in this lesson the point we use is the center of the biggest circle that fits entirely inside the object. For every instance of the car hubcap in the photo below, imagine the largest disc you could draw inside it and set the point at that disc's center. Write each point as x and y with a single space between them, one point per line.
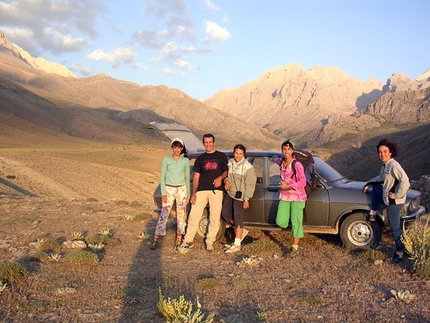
359 233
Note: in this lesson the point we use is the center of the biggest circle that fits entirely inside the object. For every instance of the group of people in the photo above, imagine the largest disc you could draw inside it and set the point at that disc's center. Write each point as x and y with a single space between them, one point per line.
214 174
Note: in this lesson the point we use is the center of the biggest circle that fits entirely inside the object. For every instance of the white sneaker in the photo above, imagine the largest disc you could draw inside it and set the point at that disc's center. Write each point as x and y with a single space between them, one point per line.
233 248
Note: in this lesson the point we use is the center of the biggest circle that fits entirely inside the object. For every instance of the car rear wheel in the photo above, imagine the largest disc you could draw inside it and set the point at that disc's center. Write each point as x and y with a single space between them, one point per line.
203 227
358 233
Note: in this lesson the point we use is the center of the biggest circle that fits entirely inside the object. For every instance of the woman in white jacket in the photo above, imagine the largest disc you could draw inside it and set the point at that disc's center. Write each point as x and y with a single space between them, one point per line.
240 187
390 188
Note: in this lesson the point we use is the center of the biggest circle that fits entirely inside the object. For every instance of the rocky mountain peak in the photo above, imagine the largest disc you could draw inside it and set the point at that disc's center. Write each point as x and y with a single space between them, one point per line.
37 63
400 82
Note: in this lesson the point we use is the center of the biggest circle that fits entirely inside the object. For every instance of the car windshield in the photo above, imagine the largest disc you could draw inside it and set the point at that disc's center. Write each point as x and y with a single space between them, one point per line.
327 173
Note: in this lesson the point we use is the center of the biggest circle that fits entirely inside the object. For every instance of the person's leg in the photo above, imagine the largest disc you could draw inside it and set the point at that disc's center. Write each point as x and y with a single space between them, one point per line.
181 213
215 205
160 229
393 214
227 209
297 223
283 214
239 230
195 215
238 220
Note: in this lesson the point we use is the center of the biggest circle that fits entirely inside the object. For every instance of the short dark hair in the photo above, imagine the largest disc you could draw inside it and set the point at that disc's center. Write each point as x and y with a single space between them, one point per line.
208 135
392 147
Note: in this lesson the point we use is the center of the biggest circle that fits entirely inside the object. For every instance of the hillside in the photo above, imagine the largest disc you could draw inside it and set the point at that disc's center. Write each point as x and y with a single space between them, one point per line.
321 108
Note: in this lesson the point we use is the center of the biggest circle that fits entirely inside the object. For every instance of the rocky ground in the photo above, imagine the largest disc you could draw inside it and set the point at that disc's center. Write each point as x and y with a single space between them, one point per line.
92 191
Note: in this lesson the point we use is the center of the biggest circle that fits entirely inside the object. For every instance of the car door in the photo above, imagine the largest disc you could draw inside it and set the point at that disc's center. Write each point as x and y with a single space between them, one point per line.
255 213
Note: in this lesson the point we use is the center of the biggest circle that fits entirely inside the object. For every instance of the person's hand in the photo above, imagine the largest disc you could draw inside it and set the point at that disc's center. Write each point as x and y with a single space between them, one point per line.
391 195
187 200
284 186
227 185
217 182
193 199
164 199
245 205
365 188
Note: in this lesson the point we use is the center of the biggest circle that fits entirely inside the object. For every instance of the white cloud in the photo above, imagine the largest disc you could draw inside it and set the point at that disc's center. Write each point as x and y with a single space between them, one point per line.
217 32
81 69
211 6
117 56
72 21
168 71
169 48
142 67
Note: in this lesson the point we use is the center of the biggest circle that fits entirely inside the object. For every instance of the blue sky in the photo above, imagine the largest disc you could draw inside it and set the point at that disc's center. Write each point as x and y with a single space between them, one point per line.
204 46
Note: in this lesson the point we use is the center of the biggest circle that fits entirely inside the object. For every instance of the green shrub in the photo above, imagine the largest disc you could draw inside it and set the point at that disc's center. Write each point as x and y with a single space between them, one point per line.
207 283
49 244
12 271
416 239
39 255
102 239
262 247
181 311
82 258
135 204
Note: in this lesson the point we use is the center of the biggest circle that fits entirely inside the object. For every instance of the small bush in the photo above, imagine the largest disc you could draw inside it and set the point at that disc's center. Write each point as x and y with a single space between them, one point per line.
39 255
181 311
49 244
207 283
91 199
102 239
373 255
417 244
121 202
262 248
10 176
135 204
143 217
82 258
12 271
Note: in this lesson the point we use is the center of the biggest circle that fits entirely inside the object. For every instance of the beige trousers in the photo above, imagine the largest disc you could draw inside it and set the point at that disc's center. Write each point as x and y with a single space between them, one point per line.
214 198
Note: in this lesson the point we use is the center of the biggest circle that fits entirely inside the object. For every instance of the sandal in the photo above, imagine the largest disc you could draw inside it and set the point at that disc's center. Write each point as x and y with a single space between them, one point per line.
234 248
154 244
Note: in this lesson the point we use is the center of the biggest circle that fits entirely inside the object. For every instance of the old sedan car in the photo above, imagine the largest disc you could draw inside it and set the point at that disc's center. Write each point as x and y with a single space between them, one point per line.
336 206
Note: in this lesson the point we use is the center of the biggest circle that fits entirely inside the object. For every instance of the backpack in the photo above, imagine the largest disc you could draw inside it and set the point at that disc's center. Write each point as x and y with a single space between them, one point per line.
307 161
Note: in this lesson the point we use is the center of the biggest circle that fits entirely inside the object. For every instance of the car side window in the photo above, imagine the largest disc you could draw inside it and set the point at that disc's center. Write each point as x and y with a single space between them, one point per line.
258 164
274 174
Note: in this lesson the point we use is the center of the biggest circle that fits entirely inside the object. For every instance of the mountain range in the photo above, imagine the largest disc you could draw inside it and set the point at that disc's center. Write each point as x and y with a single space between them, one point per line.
323 109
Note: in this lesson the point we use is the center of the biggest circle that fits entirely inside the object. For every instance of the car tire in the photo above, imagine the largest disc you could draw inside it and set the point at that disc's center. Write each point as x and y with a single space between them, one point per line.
358 233
202 228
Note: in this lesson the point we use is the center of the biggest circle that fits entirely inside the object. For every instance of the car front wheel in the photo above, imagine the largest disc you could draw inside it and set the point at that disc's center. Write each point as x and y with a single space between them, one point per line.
358 233
203 227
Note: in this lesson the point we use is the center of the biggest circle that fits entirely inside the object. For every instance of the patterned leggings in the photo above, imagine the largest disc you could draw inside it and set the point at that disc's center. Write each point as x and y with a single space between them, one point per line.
180 195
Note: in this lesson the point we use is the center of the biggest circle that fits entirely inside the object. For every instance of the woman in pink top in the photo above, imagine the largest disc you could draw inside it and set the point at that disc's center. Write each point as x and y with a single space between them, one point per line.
292 198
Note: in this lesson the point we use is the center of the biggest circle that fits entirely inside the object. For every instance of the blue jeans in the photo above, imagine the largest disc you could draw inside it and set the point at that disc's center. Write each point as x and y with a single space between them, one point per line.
393 214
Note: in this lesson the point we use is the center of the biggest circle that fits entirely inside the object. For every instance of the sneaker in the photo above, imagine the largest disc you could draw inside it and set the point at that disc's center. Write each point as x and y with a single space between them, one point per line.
154 244
234 248
397 258
187 245
209 248
244 234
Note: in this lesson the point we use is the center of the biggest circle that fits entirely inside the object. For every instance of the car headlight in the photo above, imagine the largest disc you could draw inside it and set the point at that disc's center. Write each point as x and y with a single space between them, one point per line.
414 204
